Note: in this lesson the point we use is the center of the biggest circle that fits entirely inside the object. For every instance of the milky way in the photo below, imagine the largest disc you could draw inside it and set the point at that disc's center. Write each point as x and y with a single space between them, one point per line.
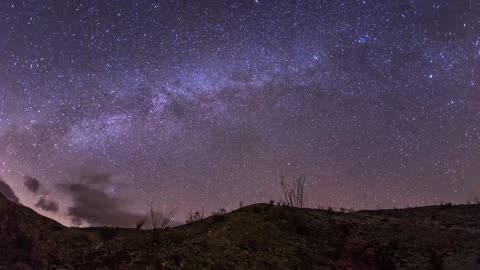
201 104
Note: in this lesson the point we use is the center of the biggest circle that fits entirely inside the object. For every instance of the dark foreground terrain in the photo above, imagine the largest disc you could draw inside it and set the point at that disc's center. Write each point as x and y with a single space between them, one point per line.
259 236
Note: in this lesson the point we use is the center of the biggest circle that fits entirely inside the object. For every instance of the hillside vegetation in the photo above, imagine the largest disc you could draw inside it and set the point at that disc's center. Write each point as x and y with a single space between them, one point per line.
260 236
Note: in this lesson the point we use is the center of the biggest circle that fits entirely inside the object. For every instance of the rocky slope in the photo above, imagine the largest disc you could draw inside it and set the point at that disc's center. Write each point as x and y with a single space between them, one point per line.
258 236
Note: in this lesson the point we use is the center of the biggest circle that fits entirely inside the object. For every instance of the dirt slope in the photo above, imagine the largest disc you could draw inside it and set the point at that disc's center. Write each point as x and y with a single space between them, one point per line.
259 236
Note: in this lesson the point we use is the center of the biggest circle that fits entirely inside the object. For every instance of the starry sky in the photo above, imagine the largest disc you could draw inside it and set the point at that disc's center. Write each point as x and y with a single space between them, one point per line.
108 106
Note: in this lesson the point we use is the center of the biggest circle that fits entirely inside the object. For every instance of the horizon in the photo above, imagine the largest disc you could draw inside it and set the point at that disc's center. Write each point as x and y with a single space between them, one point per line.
109 107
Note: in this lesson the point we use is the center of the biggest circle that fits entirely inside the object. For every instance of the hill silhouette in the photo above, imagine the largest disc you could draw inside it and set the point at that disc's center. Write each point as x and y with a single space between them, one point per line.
260 236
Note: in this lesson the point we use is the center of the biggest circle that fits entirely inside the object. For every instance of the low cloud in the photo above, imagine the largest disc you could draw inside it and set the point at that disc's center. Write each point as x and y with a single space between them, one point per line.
32 184
47 205
8 192
94 205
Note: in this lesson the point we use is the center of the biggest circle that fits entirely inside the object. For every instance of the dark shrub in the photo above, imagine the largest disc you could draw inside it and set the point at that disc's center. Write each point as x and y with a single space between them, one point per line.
107 233
139 224
155 235
219 215
393 244
158 219
176 259
250 245
294 193
298 223
385 260
436 261
396 227
194 217
56 227
344 229
257 209
24 243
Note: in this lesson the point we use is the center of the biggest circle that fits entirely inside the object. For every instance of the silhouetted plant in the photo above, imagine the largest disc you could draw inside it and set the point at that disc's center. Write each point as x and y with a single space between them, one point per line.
294 194
476 200
159 220
107 233
385 260
140 222
299 223
396 228
393 244
344 229
219 214
257 209
194 216
436 261
446 205
24 243
272 202
343 209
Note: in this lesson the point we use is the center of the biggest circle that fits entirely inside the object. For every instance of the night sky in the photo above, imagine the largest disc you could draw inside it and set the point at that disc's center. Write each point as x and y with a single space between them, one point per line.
106 106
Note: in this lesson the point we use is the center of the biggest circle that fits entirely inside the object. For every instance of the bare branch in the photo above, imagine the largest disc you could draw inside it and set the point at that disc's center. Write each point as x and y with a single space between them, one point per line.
159 219
294 194
195 216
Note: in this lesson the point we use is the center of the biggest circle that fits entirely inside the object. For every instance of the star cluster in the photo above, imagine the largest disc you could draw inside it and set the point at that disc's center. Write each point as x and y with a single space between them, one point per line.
201 104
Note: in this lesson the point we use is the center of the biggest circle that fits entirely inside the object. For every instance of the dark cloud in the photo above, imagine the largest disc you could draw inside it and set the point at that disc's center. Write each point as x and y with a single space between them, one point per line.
47 205
95 206
32 184
8 192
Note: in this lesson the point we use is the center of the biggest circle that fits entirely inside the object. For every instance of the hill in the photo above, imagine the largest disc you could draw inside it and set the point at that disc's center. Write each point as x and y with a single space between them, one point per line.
260 236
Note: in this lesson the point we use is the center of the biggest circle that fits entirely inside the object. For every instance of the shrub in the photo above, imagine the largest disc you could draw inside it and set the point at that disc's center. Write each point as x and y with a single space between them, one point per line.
24 243
139 224
250 244
257 209
56 227
436 261
396 227
385 261
107 233
194 217
344 229
219 214
281 203
159 220
294 194
272 202
297 223
393 244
